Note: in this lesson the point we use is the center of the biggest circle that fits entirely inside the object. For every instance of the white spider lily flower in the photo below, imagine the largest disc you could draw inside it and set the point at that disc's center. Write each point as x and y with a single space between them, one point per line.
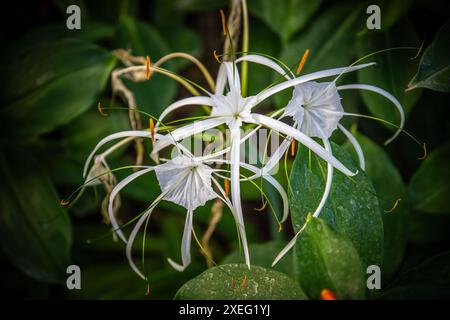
233 110
184 180
316 110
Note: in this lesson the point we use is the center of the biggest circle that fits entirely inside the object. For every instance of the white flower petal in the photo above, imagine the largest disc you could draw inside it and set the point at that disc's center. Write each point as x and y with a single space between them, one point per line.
329 179
303 139
266 62
192 101
385 94
221 80
236 190
112 196
233 78
185 245
185 182
356 146
184 132
316 108
114 136
308 77
146 215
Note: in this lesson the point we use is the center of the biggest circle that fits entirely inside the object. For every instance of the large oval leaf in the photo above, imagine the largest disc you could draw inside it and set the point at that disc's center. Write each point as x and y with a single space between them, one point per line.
379 169
326 260
262 254
434 69
392 71
285 17
35 231
237 282
51 83
352 208
429 188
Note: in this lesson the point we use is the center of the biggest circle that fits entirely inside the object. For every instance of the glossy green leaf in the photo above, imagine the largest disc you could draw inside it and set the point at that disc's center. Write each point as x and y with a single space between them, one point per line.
64 78
352 209
434 68
429 280
392 71
326 260
429 188
285 17
329 46
91 31
35 231
226 282
379 169
156 94
262 254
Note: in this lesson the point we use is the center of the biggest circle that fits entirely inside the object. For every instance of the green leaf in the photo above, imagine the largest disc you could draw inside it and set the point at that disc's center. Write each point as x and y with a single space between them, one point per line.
379 169
429 280
352 208
262 254
429 188
285 17
326 260
35 231
154 95
330 46
434 68
392 71
91 31
226 282
64 78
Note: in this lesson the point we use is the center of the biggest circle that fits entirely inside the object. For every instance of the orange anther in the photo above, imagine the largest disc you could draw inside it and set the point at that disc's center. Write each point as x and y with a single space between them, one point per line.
280 227
244 282
293 148
147 67
227 187
302 61
394 206
152 130
64 202
100 109
224 27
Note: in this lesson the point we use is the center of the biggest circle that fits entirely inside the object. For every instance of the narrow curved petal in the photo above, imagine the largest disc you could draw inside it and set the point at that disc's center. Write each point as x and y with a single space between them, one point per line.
185 245
319 208
236 189
303 139
114 136
328 182
243 139
221 80
184 132
275 184
385 94
308 77
113 195
191 101
266 62
234 81
276 156
133 234
356 146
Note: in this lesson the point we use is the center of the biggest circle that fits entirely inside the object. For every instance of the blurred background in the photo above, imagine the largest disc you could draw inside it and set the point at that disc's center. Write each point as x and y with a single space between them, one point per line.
52 79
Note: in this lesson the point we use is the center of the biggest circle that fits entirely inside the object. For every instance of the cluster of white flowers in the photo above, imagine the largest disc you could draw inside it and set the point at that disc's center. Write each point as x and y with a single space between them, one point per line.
190 181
